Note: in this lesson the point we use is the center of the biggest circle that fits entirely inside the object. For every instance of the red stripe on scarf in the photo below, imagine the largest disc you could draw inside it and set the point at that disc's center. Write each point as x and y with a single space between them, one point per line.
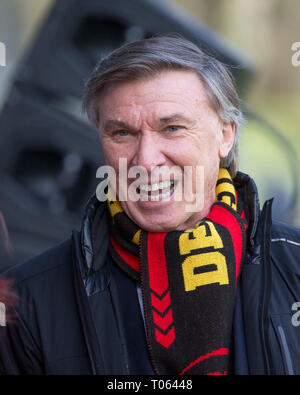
158 276
244 217
223 217
217 374
129 258
165 339
159 284
162 304
221 351
163 322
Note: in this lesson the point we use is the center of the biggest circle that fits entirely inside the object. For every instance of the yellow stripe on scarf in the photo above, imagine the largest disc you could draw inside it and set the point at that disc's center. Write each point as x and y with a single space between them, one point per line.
136 237
226 186
113 205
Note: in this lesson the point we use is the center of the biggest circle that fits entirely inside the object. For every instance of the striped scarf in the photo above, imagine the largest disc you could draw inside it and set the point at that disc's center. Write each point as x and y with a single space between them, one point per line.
188 280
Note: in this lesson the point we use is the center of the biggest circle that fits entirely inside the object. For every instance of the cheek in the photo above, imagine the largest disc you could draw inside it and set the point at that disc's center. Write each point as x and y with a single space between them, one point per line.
208 150
193 153
181 152
196 147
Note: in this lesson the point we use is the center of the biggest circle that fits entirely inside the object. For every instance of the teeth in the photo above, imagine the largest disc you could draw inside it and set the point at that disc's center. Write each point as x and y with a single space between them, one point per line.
156 186
160 196
164 195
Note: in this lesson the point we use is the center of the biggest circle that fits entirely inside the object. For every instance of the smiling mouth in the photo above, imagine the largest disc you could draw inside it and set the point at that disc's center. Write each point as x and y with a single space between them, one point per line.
157 191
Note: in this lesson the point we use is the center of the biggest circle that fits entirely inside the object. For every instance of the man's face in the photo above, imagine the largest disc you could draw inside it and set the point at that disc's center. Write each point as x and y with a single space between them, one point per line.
164 121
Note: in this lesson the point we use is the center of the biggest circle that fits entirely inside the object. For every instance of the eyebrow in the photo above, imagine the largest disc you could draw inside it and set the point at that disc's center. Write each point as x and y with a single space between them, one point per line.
174 118
112 123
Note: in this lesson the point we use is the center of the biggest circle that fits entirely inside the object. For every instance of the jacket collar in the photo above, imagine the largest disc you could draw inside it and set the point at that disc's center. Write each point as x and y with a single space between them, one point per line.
246 186
94 235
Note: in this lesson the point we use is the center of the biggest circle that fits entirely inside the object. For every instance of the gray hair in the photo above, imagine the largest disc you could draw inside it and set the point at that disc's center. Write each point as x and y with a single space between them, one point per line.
146 58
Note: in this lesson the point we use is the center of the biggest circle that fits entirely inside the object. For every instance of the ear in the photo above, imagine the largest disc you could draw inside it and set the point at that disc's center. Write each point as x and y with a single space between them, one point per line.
227 139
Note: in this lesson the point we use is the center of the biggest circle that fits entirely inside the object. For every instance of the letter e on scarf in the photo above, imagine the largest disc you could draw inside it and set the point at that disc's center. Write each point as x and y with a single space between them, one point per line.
192 280
205 235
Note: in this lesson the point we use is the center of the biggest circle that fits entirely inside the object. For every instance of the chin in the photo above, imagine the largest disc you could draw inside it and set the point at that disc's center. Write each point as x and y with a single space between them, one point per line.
158 226
156 222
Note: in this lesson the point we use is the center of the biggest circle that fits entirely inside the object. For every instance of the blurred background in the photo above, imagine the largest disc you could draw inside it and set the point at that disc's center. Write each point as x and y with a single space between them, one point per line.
49 152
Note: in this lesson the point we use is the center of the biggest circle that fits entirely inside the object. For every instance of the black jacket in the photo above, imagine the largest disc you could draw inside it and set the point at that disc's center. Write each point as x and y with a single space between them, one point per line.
78 313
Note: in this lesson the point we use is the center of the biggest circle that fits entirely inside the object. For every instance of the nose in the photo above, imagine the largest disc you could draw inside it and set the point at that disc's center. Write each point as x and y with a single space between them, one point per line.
149 151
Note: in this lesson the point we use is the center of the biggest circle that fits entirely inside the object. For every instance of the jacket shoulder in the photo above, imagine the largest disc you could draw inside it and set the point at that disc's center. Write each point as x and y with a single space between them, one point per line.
57 256
285 246
285 231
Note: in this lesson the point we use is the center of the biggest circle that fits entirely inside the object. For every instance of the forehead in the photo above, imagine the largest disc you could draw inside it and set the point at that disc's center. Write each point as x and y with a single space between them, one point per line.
170 90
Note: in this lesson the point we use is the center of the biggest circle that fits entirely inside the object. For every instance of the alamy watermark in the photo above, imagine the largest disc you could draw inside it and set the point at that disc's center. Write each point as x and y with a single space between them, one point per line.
2 54
296 315
162 184
2 314
296 56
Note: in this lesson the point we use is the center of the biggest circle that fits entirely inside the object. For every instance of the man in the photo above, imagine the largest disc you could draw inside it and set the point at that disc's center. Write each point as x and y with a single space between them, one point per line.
180 272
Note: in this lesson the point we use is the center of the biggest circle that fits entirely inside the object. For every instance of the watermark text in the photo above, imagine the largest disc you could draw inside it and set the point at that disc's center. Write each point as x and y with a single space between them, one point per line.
2 314
2 54
162 183
296 56
296 315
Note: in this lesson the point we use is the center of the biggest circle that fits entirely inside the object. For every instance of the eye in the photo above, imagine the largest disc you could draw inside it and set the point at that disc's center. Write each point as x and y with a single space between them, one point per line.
173 128
122 132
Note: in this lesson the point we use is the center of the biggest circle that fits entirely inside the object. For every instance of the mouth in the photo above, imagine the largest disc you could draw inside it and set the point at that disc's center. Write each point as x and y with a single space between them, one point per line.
157 191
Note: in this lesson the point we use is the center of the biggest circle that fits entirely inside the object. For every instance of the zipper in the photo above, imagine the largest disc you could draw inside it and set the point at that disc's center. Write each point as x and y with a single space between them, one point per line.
145 309
267 281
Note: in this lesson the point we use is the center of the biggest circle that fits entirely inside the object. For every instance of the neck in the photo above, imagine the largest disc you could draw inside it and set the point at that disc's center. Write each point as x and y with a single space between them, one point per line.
199 215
